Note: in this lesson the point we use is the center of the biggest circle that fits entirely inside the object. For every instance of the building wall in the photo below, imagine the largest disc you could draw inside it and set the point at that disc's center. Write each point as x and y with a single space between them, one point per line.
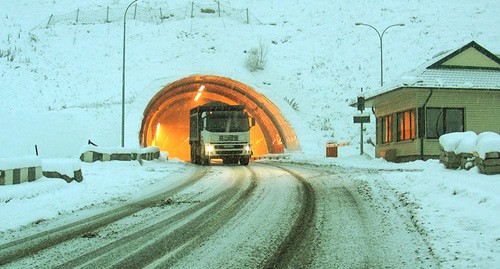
391 103
481 113
482 108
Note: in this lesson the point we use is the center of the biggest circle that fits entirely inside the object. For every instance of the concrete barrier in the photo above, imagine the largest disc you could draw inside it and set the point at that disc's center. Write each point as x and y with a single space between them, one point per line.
271 157
150 153
20 170
67 169
77 175
91 154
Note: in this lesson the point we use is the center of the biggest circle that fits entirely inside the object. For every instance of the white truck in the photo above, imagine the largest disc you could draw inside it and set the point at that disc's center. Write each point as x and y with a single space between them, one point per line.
220 131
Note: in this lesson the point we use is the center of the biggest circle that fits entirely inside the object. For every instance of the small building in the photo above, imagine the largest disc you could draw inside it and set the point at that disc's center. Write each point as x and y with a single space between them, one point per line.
459 91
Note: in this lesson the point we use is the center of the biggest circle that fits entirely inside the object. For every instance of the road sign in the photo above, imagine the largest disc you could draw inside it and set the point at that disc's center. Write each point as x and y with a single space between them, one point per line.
361 118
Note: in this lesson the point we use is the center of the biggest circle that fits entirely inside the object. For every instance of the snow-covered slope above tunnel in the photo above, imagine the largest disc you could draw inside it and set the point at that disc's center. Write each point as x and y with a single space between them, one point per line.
61 84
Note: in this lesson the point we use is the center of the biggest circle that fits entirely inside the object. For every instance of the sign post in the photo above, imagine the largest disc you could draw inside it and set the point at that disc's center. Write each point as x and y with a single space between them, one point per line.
361 118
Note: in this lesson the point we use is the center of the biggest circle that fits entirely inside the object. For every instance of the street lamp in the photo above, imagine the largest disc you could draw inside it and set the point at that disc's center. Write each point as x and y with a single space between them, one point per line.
123 72
380 36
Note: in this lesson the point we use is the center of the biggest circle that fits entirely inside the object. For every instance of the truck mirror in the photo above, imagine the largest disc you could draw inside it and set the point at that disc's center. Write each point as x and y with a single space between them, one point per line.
252 122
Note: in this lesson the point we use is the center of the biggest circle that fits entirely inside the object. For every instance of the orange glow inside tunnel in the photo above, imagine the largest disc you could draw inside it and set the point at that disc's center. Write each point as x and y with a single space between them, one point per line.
172 131
166 118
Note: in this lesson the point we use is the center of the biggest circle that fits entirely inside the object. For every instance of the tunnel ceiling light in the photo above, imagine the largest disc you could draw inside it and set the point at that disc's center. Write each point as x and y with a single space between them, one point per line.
200 90
157 131
198 95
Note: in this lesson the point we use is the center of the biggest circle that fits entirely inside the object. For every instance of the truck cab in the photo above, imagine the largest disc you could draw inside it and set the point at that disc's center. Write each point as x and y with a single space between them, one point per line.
220 131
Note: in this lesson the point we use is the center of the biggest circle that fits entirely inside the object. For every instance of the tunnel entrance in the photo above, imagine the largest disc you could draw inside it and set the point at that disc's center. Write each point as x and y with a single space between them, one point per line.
166 117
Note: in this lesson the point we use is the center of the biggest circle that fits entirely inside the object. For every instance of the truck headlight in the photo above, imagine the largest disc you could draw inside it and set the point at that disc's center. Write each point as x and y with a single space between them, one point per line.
209 149
248 149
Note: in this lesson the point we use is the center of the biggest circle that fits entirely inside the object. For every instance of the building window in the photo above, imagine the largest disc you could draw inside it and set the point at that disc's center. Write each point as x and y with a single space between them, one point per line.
386 129
406 125
441 121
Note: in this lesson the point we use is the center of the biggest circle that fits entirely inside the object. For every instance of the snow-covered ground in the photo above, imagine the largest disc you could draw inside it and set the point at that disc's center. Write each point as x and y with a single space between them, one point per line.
61 85
456 210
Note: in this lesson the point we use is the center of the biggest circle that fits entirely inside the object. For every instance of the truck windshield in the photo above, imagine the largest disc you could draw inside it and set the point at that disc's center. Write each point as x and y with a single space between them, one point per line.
227 121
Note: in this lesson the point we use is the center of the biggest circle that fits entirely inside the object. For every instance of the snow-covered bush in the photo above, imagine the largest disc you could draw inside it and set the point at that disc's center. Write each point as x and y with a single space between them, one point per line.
7 54
292 103
256 58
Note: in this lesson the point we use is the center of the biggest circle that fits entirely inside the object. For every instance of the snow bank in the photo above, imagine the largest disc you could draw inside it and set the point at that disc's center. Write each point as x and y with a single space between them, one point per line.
451 141
119 150
110 150
62 166
487 142
150 150
20 162
469 142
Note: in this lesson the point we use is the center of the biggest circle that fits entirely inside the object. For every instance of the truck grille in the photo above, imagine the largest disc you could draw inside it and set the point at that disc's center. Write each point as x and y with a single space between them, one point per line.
228 152
228 146
228 138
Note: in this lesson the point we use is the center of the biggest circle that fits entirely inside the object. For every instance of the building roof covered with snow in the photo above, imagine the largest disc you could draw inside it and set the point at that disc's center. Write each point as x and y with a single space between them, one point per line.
469 67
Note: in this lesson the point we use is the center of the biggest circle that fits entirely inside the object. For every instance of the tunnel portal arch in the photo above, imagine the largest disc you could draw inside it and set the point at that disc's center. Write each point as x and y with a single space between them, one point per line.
166 118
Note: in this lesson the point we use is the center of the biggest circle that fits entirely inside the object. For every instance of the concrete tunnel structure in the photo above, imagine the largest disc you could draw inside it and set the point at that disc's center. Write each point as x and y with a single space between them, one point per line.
166 118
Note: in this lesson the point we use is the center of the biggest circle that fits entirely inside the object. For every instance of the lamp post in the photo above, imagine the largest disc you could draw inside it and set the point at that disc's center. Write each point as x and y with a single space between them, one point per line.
123 72
380 36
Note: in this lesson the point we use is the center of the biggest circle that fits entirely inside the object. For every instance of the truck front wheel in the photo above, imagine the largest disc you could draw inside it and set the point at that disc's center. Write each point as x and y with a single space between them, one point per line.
244 160
194 158
205 161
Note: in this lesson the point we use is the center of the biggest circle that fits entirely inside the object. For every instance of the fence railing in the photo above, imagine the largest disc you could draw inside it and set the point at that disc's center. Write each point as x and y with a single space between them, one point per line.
152 14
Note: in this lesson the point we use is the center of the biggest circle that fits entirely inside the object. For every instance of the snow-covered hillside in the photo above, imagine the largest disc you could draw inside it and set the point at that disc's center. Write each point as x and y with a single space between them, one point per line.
61 85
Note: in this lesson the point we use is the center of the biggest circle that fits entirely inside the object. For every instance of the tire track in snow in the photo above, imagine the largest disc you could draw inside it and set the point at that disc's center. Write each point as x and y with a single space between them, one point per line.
300 232
173 246
30 245
357 227
160 244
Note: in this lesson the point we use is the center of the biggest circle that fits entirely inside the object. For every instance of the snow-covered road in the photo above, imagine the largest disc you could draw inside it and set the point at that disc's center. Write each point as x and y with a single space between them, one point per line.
263 215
